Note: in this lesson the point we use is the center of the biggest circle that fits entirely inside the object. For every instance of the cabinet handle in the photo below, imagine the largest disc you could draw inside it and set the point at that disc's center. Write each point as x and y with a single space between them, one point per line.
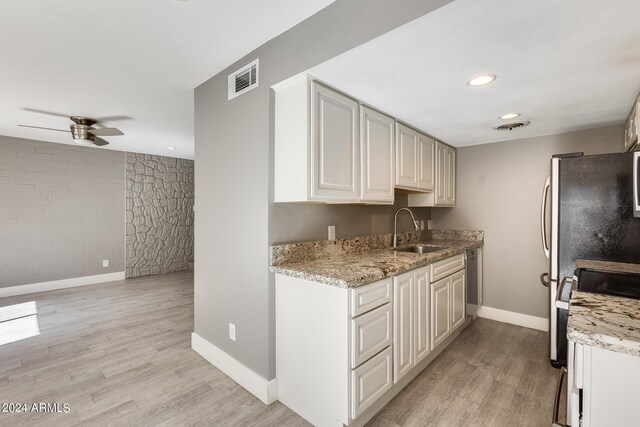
556 401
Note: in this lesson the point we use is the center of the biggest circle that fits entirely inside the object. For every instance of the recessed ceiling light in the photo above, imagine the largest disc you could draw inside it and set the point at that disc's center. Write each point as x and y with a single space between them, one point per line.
481 80
509 116
171 148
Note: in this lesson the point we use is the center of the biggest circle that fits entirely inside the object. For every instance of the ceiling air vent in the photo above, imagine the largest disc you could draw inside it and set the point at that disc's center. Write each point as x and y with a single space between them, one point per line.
512 126
243 80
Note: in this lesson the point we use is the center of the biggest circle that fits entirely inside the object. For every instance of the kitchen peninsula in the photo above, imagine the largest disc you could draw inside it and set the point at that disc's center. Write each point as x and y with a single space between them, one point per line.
356 321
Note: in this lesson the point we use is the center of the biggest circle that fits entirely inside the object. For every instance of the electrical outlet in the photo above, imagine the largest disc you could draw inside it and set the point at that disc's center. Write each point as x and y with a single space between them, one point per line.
105 263
332 232
429 225
232 332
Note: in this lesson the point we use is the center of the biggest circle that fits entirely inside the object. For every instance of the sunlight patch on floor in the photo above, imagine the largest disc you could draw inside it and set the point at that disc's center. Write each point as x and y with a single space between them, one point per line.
18 321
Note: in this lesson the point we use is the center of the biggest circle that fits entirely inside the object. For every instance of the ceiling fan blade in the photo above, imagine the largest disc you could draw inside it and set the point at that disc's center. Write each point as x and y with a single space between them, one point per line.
105 132
113 118
100 142
51 113
40 127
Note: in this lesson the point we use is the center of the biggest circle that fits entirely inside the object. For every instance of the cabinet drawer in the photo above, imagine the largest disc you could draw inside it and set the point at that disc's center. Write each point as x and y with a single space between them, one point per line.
446 267
370 333
368 297
369 382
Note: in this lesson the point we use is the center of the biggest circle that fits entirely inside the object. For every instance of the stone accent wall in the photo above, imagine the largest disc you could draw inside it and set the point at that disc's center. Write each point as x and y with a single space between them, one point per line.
159 214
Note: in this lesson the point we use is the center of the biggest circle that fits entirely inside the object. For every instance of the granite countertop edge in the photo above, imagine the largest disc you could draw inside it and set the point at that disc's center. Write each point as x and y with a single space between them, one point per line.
604 321
300 269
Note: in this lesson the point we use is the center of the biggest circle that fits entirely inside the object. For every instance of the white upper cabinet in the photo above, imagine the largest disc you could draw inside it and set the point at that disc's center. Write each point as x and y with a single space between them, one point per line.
334 145
377 158
441 171
631 128
406 157
426 149
331 149
444 185
414 159
316 144
449 176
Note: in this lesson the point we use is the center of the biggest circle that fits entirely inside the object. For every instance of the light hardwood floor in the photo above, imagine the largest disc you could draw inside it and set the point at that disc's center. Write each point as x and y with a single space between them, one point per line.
119 354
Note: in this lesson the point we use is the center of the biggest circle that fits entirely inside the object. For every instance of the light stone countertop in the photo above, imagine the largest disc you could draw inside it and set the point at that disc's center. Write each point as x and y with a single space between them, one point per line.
605 321
350 269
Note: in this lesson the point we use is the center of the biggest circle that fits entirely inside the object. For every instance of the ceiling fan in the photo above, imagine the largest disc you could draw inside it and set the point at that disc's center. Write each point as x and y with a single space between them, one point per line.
83 130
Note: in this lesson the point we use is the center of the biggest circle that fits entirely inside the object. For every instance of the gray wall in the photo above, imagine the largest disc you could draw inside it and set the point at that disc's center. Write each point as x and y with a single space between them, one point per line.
61 211
234 158
499 191
159 214
294 222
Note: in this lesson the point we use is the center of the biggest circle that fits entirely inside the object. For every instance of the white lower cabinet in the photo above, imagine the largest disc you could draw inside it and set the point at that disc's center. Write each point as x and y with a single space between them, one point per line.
411 320
422 321
458 298
448 298
440 311
602 388
341 354
369 381
403 289
370 333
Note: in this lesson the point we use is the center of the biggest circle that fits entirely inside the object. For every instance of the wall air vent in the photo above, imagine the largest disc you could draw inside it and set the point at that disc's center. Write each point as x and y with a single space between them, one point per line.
243 80
512 126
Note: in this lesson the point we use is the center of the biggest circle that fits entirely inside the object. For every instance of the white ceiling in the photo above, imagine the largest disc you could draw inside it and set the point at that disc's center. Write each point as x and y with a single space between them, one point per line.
140 59
565 65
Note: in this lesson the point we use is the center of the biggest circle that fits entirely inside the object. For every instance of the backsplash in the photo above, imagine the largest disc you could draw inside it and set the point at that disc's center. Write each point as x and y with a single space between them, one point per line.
457 234
305 251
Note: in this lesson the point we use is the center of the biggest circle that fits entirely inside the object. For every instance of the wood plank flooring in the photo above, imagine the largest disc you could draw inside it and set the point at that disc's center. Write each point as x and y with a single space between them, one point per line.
119 354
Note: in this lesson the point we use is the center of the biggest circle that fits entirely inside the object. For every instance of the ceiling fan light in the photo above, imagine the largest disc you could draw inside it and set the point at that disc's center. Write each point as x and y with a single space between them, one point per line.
82 141
482 79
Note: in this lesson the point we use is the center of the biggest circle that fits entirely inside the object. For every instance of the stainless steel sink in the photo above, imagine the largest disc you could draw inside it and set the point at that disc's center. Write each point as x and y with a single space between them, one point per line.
420 249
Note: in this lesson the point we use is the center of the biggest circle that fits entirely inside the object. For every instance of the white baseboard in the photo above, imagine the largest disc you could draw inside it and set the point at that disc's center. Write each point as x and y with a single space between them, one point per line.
60 284
519 319
266 391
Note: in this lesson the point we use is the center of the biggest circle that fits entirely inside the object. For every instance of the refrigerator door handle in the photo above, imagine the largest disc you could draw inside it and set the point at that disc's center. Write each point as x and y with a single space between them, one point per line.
543 217
544 279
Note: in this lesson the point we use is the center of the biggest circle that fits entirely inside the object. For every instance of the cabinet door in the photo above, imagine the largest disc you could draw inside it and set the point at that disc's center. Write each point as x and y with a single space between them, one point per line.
458 298
334 146
406 157
422 321
440 311
370 381
427 148
403 286
370 333
450 176
376 156
441 174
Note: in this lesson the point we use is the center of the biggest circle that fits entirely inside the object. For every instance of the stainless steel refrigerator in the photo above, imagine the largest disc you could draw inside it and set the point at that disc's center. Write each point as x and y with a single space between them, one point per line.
590 210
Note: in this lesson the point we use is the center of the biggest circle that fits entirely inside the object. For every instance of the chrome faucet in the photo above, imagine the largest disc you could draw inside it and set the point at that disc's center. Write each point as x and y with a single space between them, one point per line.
395 225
